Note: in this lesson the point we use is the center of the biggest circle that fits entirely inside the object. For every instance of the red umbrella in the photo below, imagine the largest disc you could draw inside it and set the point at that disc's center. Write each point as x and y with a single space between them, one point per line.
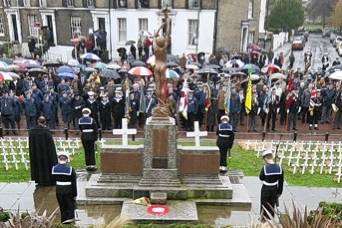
140 71
2 78
270 69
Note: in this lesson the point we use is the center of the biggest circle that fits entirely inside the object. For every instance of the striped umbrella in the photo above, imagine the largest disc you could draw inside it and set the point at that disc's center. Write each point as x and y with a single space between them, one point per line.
113 66
140 71
90 56
270 68
171 74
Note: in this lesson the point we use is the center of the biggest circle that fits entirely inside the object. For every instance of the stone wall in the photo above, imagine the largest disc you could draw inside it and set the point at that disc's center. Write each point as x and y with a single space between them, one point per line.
24 13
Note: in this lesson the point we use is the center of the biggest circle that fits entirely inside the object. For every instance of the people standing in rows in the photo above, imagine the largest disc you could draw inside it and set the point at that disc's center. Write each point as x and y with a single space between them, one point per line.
31 110
92 104
192 111
292 108
66 109
48 112
77 104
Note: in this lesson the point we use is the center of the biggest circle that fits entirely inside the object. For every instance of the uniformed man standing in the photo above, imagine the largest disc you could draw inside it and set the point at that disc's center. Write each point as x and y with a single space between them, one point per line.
272 177
88 129
225 141
66 189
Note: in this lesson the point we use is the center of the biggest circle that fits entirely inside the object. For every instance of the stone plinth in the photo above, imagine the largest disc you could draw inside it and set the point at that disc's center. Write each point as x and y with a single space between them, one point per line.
122 160
198 160
160 153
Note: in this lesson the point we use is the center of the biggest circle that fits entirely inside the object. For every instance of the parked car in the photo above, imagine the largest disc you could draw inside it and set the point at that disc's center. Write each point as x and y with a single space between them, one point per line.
332 37
298 43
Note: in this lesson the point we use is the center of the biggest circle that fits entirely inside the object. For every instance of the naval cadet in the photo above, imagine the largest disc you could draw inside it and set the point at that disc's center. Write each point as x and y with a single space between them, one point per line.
225 141
272 177
66 189
88 129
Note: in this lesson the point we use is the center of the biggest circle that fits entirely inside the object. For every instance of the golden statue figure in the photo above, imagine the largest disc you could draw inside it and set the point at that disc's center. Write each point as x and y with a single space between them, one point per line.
161 44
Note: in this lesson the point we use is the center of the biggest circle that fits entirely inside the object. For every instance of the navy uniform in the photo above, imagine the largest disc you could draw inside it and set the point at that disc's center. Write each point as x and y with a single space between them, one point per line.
66 189
225 141
88 129
272 177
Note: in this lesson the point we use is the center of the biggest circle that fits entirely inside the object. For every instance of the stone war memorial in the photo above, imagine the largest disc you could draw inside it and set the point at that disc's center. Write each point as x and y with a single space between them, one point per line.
175 178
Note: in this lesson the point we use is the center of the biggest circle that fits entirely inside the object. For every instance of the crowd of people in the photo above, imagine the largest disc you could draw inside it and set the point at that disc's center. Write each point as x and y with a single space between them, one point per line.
206 88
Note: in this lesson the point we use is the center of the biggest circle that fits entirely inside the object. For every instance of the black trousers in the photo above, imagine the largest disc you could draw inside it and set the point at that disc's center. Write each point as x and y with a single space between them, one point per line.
89 152
272 115
224 151
67 206
268 201
8 121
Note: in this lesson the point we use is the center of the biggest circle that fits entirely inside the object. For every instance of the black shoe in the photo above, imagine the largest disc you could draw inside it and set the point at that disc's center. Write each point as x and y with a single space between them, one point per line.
295 129
316 128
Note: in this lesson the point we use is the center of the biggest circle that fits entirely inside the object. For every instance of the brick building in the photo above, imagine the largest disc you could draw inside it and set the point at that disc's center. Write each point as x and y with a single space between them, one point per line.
197 25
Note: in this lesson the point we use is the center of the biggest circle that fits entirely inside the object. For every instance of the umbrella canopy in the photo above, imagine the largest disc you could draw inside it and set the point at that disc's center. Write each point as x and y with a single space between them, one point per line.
37 71
100 65
64 69
30 63
192 67
270 68
6 60
66 75
235 63
251 68
171 74
207 71
336 75
171 64
337 67
138 63
5 76
254 78
277 76
213 66
13 75
90 56
73 63
89 69
130 42
113 66
3 65
151 60
238 73
140 71
108 73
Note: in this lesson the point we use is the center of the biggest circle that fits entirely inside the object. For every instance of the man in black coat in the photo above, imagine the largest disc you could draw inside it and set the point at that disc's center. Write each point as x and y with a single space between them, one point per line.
7 107
105 109
42 153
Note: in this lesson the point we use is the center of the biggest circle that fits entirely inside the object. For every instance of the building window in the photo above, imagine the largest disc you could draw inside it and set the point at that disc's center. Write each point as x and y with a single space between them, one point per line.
42 3
120 3
88 3
194 4
68 3
2 27
27 3
7 3
143 3
33 25
143 24
165 3
193 32
250 9
122 28
75 25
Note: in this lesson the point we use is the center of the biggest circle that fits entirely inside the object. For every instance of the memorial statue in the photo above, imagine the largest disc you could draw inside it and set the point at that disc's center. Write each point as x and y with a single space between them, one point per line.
161 44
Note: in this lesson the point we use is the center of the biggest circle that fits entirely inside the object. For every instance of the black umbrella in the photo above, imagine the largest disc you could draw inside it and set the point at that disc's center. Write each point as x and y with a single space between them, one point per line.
337 67
171 64
213 66
52 64
35 71
207 71
137 63
172 58
111 74
130 42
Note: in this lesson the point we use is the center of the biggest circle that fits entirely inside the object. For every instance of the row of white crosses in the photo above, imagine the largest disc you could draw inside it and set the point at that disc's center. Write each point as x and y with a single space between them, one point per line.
14 151
125 132
305 156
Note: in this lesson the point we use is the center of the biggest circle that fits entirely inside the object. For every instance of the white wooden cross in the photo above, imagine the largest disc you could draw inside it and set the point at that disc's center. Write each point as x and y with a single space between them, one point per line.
306 161
197 134
124 131
339 168
331 164
324 157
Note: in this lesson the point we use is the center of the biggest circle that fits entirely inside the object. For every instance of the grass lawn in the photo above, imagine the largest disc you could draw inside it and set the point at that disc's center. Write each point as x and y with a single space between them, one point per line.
243 160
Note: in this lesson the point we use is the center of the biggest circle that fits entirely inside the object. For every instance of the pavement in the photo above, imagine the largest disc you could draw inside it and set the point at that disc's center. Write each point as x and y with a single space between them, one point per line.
26 197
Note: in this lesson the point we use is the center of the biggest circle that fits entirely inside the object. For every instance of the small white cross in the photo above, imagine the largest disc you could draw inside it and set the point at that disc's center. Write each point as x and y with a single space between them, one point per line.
197 134
124 131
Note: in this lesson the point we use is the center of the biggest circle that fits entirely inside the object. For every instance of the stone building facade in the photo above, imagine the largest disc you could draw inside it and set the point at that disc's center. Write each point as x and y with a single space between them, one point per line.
197 25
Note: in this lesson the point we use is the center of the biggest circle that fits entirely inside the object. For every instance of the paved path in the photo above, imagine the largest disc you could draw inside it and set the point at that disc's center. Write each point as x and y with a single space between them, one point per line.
25 197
